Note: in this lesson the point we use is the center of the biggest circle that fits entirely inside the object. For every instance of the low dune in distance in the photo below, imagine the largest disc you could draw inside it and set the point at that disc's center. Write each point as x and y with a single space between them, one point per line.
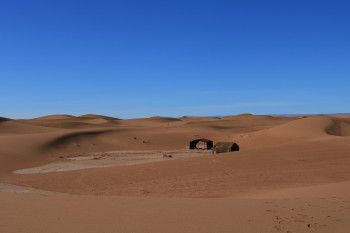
2 119
291 174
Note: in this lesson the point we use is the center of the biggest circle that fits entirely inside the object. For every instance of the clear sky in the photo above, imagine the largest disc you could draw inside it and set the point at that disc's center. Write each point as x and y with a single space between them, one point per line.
172 58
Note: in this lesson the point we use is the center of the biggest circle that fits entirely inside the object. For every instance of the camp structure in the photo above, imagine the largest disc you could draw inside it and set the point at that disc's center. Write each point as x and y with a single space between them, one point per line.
222 147
204 144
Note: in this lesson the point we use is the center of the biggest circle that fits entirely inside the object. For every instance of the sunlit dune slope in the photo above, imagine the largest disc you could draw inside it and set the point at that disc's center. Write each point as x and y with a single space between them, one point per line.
71 122
297 131
94 116
54 117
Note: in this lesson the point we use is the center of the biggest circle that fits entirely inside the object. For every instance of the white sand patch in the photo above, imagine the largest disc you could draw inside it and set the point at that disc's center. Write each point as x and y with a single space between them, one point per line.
10 188
111 158
57 167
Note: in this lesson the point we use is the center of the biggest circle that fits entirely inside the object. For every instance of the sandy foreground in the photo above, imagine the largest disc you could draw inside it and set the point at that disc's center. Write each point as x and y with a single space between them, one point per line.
99 174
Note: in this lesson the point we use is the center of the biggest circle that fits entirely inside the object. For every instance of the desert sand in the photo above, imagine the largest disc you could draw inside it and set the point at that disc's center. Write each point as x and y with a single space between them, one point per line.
92 173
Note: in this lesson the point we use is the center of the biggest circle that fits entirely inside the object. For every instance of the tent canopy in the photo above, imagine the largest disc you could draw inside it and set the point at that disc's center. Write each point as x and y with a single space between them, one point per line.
209 143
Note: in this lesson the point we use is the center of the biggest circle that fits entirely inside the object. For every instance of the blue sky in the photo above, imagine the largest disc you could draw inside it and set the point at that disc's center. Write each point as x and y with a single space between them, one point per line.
172 58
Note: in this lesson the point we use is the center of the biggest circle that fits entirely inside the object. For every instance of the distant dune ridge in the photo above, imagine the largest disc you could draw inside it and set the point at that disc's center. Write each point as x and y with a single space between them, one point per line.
280 159
93 116
4 119
326 114
54 117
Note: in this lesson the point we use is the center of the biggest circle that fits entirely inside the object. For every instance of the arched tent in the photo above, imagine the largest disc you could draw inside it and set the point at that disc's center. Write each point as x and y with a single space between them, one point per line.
222 147
209 143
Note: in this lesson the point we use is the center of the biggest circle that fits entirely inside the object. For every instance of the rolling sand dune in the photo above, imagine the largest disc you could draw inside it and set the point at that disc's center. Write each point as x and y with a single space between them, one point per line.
312 127
297 131
291 174
2 119
54 117
162 119
19 128
186 118
71 122
152 120
342 116
94 116
240 124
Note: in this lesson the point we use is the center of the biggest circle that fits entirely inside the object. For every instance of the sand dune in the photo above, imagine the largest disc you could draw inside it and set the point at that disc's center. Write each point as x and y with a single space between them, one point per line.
74 138
71 122
18 128
240 124
155 119
55 117
94 116
65 124
196 119
342 116
163 119
2 119
315 126
280 159
296 131
246 116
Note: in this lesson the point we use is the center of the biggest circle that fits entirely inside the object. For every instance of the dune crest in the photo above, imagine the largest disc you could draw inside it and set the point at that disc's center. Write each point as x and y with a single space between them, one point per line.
54 117
94 116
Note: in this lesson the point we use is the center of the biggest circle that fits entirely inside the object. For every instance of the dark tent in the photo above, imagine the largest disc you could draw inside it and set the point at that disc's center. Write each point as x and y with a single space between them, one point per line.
209 143
222 147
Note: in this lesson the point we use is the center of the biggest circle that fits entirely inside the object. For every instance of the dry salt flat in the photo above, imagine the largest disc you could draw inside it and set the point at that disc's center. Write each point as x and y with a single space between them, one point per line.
111 158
